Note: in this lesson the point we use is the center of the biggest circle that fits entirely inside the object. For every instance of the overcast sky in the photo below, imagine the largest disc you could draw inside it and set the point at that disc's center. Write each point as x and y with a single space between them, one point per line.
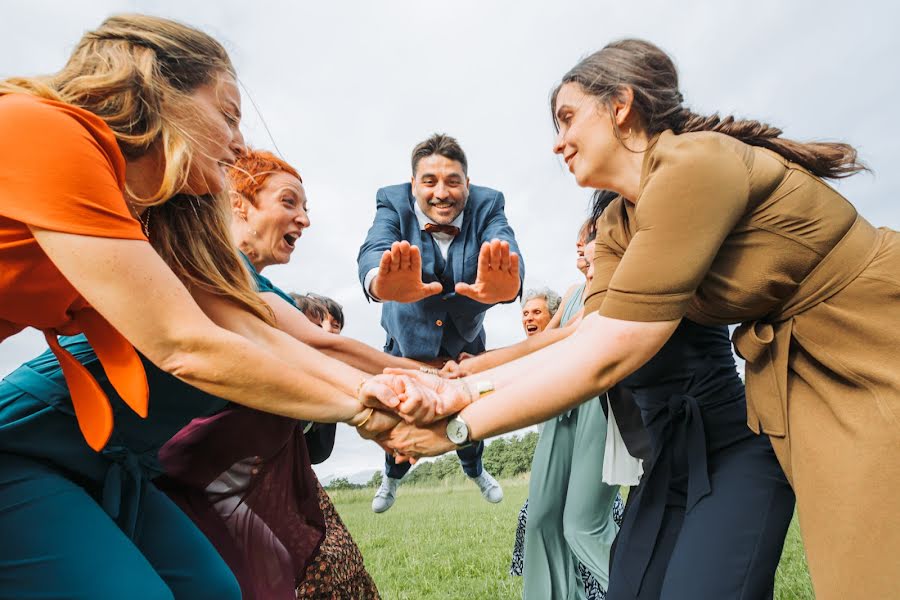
348 88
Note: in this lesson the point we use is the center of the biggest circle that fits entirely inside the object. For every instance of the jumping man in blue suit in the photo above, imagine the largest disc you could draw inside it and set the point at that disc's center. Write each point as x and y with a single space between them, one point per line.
439 254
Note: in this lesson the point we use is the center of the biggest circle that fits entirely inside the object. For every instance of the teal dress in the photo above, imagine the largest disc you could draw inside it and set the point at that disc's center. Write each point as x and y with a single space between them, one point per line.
263 284
570 509
76 523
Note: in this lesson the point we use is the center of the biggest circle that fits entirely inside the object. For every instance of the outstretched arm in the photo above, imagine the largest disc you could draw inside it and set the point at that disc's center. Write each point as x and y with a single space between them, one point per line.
601 353
500 356
350 351
324 371
133 289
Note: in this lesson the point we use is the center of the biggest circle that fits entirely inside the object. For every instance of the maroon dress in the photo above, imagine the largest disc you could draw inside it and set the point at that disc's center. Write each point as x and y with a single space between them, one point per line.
245 479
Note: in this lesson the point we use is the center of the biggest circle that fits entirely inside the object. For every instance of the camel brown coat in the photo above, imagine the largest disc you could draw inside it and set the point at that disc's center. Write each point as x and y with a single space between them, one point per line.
723 233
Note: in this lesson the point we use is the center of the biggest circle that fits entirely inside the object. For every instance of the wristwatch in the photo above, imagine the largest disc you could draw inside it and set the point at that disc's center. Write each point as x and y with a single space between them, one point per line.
458 431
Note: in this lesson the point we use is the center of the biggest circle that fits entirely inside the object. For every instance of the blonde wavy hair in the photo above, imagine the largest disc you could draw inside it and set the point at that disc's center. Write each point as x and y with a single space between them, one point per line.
137 73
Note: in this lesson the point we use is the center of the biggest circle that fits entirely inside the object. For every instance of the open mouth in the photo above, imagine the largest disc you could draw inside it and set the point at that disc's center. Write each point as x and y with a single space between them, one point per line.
442 205
291 238
531 328
569 158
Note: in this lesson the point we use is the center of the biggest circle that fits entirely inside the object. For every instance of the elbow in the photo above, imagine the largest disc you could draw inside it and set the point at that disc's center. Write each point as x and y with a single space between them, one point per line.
605 381
624 347
182 365
184 356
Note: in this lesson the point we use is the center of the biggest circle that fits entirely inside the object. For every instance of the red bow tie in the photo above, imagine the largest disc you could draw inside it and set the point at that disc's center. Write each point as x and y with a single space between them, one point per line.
448 229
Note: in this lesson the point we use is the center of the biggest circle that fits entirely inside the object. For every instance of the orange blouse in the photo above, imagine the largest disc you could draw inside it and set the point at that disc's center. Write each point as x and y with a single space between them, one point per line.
61 170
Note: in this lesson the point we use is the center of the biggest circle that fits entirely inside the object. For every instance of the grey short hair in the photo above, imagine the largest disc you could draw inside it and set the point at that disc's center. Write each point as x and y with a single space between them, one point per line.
553 299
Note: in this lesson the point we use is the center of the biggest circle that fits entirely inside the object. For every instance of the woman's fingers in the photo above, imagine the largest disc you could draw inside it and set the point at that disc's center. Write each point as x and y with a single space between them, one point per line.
381 391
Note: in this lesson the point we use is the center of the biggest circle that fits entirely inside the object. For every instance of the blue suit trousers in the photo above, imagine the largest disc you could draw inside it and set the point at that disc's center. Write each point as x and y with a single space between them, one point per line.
469 458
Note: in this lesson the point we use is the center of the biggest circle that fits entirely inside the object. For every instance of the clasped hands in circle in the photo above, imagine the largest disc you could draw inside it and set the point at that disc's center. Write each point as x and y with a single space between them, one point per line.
410 409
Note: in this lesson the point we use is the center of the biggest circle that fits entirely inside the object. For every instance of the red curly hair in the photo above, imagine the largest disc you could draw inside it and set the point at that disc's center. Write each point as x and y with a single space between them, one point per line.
251 170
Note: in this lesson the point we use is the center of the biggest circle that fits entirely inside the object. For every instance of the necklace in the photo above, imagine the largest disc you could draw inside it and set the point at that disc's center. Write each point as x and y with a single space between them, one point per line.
145 222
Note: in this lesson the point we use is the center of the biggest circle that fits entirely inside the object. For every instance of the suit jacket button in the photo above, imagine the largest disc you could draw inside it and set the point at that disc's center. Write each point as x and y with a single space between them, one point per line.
439 323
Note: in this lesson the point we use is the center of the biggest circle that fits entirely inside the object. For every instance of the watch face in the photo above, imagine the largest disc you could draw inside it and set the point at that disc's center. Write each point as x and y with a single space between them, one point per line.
457 431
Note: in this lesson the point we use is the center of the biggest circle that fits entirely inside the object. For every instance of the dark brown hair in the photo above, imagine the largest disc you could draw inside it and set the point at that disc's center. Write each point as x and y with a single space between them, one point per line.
442 145
313 308
334 309
600 199
651 75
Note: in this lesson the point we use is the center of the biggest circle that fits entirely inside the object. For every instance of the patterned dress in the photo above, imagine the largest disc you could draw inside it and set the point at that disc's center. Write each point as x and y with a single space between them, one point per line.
592 588
337 572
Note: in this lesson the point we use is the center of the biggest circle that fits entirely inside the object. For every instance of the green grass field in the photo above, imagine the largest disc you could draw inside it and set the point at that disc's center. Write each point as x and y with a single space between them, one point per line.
446 542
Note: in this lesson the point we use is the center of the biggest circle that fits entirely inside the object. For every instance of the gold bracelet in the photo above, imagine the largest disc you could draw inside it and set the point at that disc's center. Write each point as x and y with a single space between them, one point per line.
473 396
481 388
360 387
366 420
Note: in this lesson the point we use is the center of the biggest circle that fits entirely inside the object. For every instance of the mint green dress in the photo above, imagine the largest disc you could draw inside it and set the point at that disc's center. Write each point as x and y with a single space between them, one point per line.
570 509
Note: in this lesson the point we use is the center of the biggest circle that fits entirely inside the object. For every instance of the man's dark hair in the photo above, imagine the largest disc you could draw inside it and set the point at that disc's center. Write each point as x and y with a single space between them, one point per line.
442 145
314 309
331 306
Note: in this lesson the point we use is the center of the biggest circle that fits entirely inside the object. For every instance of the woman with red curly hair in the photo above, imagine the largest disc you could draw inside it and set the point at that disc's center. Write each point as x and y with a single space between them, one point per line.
245 476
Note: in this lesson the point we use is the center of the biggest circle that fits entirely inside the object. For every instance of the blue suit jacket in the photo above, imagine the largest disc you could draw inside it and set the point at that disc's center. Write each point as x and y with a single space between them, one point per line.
447 322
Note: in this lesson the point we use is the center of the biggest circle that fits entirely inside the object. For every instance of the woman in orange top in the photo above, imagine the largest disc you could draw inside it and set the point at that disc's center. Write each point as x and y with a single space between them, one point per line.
724 221
145 113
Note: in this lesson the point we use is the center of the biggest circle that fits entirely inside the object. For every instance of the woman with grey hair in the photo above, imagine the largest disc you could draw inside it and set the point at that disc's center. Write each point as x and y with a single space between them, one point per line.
539 306
563 541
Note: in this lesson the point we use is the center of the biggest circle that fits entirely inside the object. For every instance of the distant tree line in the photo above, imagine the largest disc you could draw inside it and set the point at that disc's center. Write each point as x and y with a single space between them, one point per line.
504 457
342 483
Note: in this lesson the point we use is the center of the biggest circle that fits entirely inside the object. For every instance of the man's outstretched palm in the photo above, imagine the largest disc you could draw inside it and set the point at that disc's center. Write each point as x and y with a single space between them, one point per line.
498 275
399 277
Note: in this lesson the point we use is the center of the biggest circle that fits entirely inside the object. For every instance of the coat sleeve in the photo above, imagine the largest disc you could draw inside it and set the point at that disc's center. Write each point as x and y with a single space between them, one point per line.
385 231
694 192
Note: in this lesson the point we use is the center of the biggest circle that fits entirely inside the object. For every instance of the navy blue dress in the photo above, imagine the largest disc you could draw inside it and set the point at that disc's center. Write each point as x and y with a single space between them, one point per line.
713 508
